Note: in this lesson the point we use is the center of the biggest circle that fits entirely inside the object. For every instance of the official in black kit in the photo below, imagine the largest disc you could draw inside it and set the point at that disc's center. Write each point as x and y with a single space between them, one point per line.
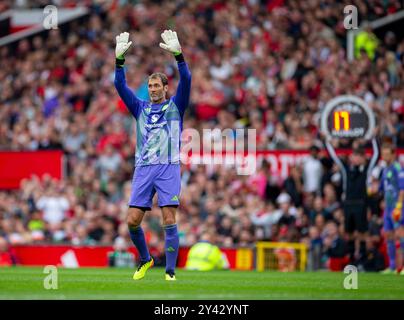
355 176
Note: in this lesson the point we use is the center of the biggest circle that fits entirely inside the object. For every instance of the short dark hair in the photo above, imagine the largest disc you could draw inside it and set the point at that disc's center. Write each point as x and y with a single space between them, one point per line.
161 76
314 148
359 151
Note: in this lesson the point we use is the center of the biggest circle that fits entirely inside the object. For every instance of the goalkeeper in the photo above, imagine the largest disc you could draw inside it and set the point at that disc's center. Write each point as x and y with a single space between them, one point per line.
157 159
392 186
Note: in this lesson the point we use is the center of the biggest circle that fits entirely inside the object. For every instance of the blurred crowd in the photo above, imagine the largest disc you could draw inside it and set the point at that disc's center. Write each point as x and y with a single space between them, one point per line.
266 65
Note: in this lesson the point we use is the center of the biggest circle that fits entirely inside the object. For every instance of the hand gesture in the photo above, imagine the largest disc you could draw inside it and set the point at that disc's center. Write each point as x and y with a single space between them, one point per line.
122 45
171 42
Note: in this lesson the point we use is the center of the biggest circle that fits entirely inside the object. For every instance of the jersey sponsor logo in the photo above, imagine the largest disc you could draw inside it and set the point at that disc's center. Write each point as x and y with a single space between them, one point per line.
155 125
154 118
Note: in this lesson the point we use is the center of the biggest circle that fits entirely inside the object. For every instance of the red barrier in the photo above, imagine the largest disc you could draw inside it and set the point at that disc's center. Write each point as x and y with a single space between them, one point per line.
16 166
96 256
59 255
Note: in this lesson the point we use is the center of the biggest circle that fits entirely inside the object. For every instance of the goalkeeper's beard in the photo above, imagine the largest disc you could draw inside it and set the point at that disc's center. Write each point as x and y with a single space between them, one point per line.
158 98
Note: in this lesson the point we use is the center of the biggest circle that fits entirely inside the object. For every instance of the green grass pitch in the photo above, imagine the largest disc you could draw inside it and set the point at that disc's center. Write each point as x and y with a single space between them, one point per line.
104 283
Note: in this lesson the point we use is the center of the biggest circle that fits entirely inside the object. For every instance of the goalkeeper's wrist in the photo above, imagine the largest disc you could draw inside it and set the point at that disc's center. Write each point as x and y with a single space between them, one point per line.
399 205
119 62
179 57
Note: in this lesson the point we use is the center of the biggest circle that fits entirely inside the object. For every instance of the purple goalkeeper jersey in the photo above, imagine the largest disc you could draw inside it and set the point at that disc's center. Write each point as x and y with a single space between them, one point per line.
158 126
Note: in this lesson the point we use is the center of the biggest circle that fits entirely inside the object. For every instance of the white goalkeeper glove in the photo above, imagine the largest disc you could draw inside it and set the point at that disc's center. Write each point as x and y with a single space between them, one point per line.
122 45
171 42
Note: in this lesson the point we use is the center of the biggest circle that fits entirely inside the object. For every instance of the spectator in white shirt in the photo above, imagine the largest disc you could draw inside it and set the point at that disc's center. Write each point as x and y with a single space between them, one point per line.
110 160
74 139
54 207
312 171
266 217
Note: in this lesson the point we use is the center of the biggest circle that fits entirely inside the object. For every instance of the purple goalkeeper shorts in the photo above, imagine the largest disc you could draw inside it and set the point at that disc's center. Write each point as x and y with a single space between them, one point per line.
389 223
165 179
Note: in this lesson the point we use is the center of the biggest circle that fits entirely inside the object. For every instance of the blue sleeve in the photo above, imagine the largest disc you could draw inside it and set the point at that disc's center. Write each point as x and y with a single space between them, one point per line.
401 180
181 98
381 183
131 101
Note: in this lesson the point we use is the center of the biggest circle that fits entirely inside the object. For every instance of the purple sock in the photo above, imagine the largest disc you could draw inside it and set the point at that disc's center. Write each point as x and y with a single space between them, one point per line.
138 239
171 246
391 251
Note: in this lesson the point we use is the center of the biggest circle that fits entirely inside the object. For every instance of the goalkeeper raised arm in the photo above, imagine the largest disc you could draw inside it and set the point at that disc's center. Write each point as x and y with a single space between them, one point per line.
157 160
